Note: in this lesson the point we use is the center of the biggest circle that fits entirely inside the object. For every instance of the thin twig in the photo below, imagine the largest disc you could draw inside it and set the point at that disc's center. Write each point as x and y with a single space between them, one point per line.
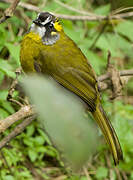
81 18
108 60
6 162
124 175
34 172
118 173
30 7
62 177
73 18
9 11
13 86
24 112
125 75
122 73
121 9
109 166
74 10
86 173
17 130
99 34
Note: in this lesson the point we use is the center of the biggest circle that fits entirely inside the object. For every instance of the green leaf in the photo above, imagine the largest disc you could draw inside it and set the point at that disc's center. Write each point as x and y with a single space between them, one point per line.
9 177
3 94
101 172
3 5
39 140
32 155
51 151
6 68
14 51
83 178
41 149
117 45
62 116
12 157
29 142
96 61
105 43
125 28
103 10
44 135
30 130
1 76
24 175
7 105
3 113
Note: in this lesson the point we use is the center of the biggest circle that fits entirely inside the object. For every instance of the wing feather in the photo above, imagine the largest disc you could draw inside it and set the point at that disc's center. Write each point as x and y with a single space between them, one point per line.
79 83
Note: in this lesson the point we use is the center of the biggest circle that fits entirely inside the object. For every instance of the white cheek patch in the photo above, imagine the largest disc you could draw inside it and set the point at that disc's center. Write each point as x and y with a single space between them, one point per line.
38 30
41 31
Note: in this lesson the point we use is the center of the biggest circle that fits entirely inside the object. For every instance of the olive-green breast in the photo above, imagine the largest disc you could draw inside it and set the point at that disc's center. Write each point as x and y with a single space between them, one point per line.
30 51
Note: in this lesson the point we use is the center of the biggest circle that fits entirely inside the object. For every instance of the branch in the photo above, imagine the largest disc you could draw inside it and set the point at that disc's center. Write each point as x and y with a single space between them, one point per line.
89 17
30 7
9 11
24 112
17 130
28 112
73 9
122 73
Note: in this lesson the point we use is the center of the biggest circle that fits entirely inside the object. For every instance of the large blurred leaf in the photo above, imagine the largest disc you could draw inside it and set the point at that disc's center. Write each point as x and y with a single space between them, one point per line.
3 113
63 117
125 28
103 10
14 51
117 45
101 172
6 68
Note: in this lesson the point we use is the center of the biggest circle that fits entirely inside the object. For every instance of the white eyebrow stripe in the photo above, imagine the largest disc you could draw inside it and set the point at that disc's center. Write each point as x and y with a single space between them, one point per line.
38 15
47 20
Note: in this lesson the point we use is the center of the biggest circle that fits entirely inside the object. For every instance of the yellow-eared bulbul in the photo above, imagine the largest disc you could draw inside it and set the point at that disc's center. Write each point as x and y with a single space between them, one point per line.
48 50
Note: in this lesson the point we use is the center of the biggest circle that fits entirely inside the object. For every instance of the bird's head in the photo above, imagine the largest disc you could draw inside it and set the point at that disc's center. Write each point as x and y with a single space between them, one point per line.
47 26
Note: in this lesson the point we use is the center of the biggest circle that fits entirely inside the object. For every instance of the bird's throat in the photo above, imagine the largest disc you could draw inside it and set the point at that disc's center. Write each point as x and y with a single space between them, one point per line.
51 39
47 37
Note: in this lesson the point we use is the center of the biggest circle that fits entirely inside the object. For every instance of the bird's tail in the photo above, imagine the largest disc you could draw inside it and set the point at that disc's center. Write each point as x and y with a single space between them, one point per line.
109 133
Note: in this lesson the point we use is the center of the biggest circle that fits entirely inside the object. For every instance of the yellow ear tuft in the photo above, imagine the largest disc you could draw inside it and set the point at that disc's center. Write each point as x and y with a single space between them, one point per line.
57 26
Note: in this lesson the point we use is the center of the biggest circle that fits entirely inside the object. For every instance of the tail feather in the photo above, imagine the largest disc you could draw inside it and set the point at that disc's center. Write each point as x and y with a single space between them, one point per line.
109 133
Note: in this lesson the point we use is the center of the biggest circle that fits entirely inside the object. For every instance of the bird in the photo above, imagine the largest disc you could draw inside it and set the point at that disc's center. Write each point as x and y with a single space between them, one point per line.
46 49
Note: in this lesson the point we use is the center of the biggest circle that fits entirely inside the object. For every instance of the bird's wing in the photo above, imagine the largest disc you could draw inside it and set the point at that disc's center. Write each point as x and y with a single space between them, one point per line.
80 83
65 63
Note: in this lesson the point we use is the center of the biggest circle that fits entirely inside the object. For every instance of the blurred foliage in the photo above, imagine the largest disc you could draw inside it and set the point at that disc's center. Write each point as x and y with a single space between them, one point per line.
30 154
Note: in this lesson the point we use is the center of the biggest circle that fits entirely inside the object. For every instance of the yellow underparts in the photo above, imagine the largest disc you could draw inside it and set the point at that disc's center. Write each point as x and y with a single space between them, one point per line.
35 37
30 51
